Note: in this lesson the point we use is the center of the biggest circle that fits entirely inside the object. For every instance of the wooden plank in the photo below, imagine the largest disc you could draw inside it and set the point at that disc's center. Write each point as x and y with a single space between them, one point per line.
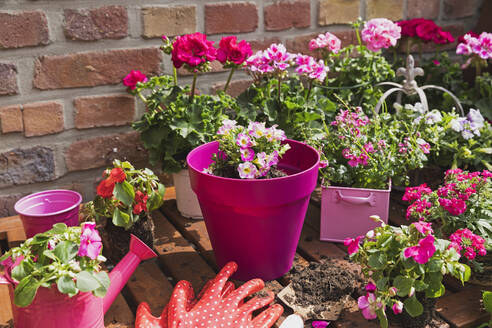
5 307
463 308
10 223
119 314
311 248
170 193
178 256
16 237
149 284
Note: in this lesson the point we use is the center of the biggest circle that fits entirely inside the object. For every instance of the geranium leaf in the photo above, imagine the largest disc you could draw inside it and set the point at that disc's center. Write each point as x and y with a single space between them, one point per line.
403 285
413 306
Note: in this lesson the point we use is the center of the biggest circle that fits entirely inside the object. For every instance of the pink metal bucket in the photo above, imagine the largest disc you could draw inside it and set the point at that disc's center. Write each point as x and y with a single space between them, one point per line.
345 211
256 223
41 210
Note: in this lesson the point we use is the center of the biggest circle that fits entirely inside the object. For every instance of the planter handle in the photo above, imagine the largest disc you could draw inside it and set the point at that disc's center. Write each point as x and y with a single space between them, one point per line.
371 199
4 280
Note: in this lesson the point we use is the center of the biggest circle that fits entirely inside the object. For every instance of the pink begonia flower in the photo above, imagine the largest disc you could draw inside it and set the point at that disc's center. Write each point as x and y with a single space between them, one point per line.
320 324
368 305
352 244
423 227
247 154
133 78
327 41
247 170
244 141
90 241
423 251
398 307
380 33
370 287
227 125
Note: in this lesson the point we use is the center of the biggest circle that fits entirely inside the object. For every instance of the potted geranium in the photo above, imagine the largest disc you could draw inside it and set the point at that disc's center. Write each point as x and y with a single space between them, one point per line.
123 205
56 278
361 157
253 186
461 207
405 266
178 119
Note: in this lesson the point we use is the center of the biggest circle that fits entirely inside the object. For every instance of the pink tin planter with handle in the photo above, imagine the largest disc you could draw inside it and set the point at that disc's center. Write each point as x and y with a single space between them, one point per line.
39 211
255 222
345 211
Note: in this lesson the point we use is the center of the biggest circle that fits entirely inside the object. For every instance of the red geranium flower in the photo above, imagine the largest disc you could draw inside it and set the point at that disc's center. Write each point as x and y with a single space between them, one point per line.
117 175
193 50
133 78
141 202
230 50
105 188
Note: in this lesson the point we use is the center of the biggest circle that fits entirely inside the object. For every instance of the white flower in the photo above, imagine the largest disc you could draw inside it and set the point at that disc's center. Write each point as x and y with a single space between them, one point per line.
433 117
467 134
476 119
457 124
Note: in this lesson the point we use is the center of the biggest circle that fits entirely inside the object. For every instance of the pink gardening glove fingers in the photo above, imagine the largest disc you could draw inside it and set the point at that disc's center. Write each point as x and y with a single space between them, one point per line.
267 318
145 319
256 303
180 303
228 288
236 297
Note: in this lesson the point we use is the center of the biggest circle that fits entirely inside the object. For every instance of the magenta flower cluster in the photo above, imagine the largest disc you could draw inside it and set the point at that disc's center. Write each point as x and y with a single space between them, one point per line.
308 66
274 59
467 243
192 50
379 33
480 46
327 41
425 30
232 51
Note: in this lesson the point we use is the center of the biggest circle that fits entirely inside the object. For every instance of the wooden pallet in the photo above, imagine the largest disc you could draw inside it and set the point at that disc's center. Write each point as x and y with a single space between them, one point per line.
185 252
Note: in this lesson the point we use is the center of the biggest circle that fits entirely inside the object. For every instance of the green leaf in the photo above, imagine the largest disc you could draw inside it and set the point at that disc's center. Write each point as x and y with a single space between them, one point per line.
487 301
435 292
22 270
413 306
66 285
65 251
104 282
124 192
59 228
420 285
86 282
120 219
383 320
25 291
403 285
377 260
381 283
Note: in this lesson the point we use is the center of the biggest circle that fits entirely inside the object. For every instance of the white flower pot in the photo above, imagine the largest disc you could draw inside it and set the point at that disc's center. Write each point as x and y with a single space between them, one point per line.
186 199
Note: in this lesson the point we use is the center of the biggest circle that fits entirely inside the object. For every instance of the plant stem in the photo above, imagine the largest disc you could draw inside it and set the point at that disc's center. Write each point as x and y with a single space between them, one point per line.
193 87
142 97
278 91
358 39
309 89
175 75
233 69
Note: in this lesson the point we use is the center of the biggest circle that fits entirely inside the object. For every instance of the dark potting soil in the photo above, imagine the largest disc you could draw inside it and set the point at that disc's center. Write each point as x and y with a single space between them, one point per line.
325 281
118 242
424 320
231 172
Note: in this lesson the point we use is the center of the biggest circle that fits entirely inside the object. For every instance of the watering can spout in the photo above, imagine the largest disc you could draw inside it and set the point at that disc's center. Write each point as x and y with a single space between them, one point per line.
125 268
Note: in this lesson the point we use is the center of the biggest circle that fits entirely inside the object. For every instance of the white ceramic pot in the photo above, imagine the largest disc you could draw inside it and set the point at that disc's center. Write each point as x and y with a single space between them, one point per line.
186 199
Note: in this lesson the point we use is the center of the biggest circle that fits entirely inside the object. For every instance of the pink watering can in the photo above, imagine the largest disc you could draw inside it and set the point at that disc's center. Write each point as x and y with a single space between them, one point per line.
50 308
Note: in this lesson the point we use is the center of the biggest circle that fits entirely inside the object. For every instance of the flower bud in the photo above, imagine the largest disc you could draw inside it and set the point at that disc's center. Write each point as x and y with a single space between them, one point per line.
376 218
443 270
370 234
411 292
398 307
461 268
392 291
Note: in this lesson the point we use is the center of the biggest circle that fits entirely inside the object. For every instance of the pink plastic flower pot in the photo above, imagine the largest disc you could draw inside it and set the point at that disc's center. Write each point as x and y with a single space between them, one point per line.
345 211
41 210
255 223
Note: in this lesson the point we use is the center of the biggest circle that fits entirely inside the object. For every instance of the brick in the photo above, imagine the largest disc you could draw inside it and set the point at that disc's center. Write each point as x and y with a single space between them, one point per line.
93 68
101 151
109 22
93 112
11 119
25 166
42 118
7 203
428 9
287 14
169 21
235 87
300 44
23 29
263 44
390 9
231 17
459 8
338 11
484 22
8 79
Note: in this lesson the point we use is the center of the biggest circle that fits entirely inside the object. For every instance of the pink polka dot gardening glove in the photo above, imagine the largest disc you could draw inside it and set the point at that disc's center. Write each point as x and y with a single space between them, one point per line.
218 305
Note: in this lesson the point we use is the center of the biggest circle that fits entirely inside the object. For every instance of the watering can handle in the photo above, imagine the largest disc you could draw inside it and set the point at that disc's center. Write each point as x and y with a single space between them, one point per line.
371 199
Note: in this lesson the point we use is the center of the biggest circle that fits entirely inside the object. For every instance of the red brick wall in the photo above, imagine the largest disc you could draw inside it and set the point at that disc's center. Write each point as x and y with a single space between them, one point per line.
64 113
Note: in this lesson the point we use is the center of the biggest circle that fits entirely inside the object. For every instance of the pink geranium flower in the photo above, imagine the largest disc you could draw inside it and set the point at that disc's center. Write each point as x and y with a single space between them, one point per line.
368 304
423 251
90 241
352 244
326 41
380 33
133 78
